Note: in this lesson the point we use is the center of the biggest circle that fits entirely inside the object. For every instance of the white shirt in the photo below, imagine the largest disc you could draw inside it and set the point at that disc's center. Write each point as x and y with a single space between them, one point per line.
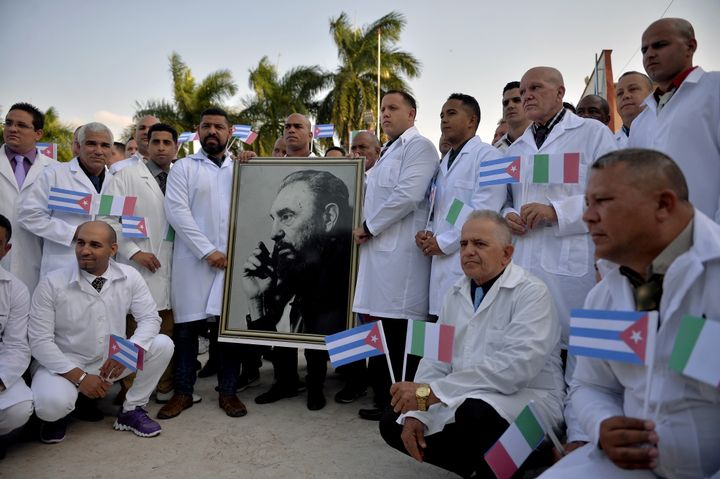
688 423
505 353
14 347
622 139
70 322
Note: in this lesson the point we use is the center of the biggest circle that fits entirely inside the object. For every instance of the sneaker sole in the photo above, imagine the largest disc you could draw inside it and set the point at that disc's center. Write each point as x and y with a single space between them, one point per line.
52 441
122 427
251 384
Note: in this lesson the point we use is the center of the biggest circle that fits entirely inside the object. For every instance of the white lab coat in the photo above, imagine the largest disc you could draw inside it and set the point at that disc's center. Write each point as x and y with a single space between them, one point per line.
14 346
136 180
460 182
688 130
57 228
24 258
688 423
122 164
562 255
197 205
393 274
70 322
621 139
506 353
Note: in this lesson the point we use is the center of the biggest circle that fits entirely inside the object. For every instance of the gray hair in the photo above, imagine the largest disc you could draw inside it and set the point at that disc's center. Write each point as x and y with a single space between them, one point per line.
94 127
502 231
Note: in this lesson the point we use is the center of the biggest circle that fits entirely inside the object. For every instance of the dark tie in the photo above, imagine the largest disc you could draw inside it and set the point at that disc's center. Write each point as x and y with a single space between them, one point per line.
647 293
541 133
162 181
98 283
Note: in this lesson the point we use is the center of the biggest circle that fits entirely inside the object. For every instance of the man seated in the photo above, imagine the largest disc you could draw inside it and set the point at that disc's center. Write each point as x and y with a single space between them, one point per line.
661 254
506 352
15 397
74 311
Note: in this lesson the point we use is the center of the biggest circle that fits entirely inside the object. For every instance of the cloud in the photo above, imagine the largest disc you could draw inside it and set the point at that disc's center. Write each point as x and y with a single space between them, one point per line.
115 122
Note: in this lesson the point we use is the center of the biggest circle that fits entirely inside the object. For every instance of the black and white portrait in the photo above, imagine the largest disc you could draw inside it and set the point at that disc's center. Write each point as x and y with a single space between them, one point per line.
292 257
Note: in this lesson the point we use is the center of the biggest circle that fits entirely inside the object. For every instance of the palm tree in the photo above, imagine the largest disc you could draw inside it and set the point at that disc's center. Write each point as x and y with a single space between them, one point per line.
274 98
355 79
58 132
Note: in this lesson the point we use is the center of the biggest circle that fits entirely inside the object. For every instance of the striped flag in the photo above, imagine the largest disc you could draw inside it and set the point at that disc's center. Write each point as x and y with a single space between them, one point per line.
563 168
169 234
428 340
108 205
69 201
185 136
134 227
126 353
501 171
627 336
458 213
355 344
48 149
515 445
696 352
324 131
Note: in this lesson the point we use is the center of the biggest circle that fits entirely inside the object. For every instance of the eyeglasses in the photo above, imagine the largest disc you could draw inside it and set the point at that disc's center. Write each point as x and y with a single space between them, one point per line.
19 125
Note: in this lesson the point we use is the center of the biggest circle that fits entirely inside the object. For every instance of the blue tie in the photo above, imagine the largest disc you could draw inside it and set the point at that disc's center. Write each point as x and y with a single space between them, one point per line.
479 294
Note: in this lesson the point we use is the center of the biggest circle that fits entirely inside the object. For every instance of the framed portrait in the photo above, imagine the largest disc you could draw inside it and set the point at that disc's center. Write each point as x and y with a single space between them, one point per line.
292 261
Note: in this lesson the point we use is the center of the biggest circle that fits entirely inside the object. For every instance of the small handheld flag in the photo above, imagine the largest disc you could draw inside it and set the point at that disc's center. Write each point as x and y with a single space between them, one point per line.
48 149
355 344
324 131
429 340
134 227
109 205
501 171
185 136
515 445
563 168
70 201
458 213
126 353
244 133
695 353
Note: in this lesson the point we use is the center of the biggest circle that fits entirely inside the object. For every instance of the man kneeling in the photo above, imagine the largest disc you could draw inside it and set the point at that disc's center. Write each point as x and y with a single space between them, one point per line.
74 311
506 352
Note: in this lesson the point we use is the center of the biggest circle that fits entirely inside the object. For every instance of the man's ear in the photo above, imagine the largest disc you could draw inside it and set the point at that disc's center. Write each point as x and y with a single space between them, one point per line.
666 204
330 216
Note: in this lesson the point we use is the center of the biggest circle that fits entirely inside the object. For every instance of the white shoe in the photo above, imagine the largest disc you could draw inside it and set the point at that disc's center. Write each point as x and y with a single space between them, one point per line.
162 398
203 345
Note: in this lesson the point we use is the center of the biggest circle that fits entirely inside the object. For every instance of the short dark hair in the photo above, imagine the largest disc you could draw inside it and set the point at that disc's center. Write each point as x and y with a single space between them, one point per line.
119 145
38 116
5 224
336 148
406 96
603 103
163 127
327 188
569 106
650 167
510 86
468 101
213 111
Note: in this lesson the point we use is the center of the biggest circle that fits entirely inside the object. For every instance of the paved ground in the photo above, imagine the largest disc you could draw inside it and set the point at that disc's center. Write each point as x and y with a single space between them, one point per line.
276 440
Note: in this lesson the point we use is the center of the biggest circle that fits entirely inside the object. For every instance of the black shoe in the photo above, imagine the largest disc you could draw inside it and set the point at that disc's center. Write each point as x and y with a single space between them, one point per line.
86 409
349 394
209 370
53 432
315 399
276 393
373 414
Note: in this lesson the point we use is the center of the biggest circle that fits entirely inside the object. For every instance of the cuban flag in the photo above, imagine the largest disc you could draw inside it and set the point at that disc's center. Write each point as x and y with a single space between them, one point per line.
355 344
627 336
500 172
134 227
69 201
48 149
324 131
185 137
126 353
244 133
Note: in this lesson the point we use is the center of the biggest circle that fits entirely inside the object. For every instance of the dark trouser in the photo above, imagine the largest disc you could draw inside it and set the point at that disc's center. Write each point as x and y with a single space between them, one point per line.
251 356
460 446
285 363
355 375
379 376
167 323
185 336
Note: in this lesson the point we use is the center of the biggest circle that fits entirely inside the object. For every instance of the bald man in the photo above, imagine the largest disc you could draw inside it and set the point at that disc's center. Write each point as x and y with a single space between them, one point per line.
631 90
142 127
366 144
683 114
279 148
297 134
595 107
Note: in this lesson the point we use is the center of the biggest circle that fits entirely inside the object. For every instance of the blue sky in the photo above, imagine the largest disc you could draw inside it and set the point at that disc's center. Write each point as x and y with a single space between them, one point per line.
92 60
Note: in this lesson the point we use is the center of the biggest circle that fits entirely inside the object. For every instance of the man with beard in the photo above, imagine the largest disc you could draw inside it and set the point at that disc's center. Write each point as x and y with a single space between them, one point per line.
197 205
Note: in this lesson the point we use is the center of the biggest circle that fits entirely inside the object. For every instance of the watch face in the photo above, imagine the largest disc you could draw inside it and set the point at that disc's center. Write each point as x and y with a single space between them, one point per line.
423 391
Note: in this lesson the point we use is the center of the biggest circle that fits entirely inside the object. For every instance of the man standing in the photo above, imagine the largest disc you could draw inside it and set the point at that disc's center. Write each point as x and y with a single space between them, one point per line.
662 254
279 149
682 116
393 274
16 405
366 144
141 137
456 178
74 311
505 354
21 163
595 107
197 205
513 114
632 89
86 174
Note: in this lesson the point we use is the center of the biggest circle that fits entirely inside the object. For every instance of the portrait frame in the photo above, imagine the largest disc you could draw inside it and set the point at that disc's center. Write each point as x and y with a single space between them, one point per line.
256 184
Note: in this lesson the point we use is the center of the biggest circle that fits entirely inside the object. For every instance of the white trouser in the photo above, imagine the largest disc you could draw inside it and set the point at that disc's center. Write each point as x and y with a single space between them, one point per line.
13 416
55 396
589 461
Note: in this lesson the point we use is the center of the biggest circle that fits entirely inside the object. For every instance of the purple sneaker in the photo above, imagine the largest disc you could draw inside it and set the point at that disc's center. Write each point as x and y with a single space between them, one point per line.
53 432
138 422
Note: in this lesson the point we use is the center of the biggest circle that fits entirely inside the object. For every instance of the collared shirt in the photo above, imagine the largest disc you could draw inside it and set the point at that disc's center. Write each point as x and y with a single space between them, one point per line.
662 97
30 156
485 286
96 180
90 278
626 130
156 171
545 129
454 153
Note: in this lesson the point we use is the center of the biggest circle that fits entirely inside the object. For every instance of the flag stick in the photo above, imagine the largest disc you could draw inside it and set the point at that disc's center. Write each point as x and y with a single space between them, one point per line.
546 427
657 405
387 353
408 339
649 360
377 125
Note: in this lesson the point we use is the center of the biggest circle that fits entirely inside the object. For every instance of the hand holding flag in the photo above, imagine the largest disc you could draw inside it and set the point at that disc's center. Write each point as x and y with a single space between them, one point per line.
126 353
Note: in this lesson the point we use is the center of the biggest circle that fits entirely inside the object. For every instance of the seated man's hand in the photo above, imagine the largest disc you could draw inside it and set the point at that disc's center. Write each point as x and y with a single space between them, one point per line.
629 442
147 260
535 215
217 260
111 369
94 387
413 436
403 396
516 224
360 235
244 156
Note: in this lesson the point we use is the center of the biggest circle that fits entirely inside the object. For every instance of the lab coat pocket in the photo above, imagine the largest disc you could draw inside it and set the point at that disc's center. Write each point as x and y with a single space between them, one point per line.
464 184
387 240
566 256
495 339
388 174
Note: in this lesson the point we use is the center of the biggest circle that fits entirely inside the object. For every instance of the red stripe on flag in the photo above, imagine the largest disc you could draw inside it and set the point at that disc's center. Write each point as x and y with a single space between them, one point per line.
500 461
129 206
141 358
571 168
446 343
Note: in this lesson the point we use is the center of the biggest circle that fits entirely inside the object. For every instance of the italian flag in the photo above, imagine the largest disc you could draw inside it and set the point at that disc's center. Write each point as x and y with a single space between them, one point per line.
564 168
696 353
428 340
170 234
108 205
458 213
515 445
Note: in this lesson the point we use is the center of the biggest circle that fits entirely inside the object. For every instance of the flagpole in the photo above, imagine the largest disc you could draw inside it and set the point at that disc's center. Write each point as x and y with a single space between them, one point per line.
546 427
649 359
387 353
377 125
408 339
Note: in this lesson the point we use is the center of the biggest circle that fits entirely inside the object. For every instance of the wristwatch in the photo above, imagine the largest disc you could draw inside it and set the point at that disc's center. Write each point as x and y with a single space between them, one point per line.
422 394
